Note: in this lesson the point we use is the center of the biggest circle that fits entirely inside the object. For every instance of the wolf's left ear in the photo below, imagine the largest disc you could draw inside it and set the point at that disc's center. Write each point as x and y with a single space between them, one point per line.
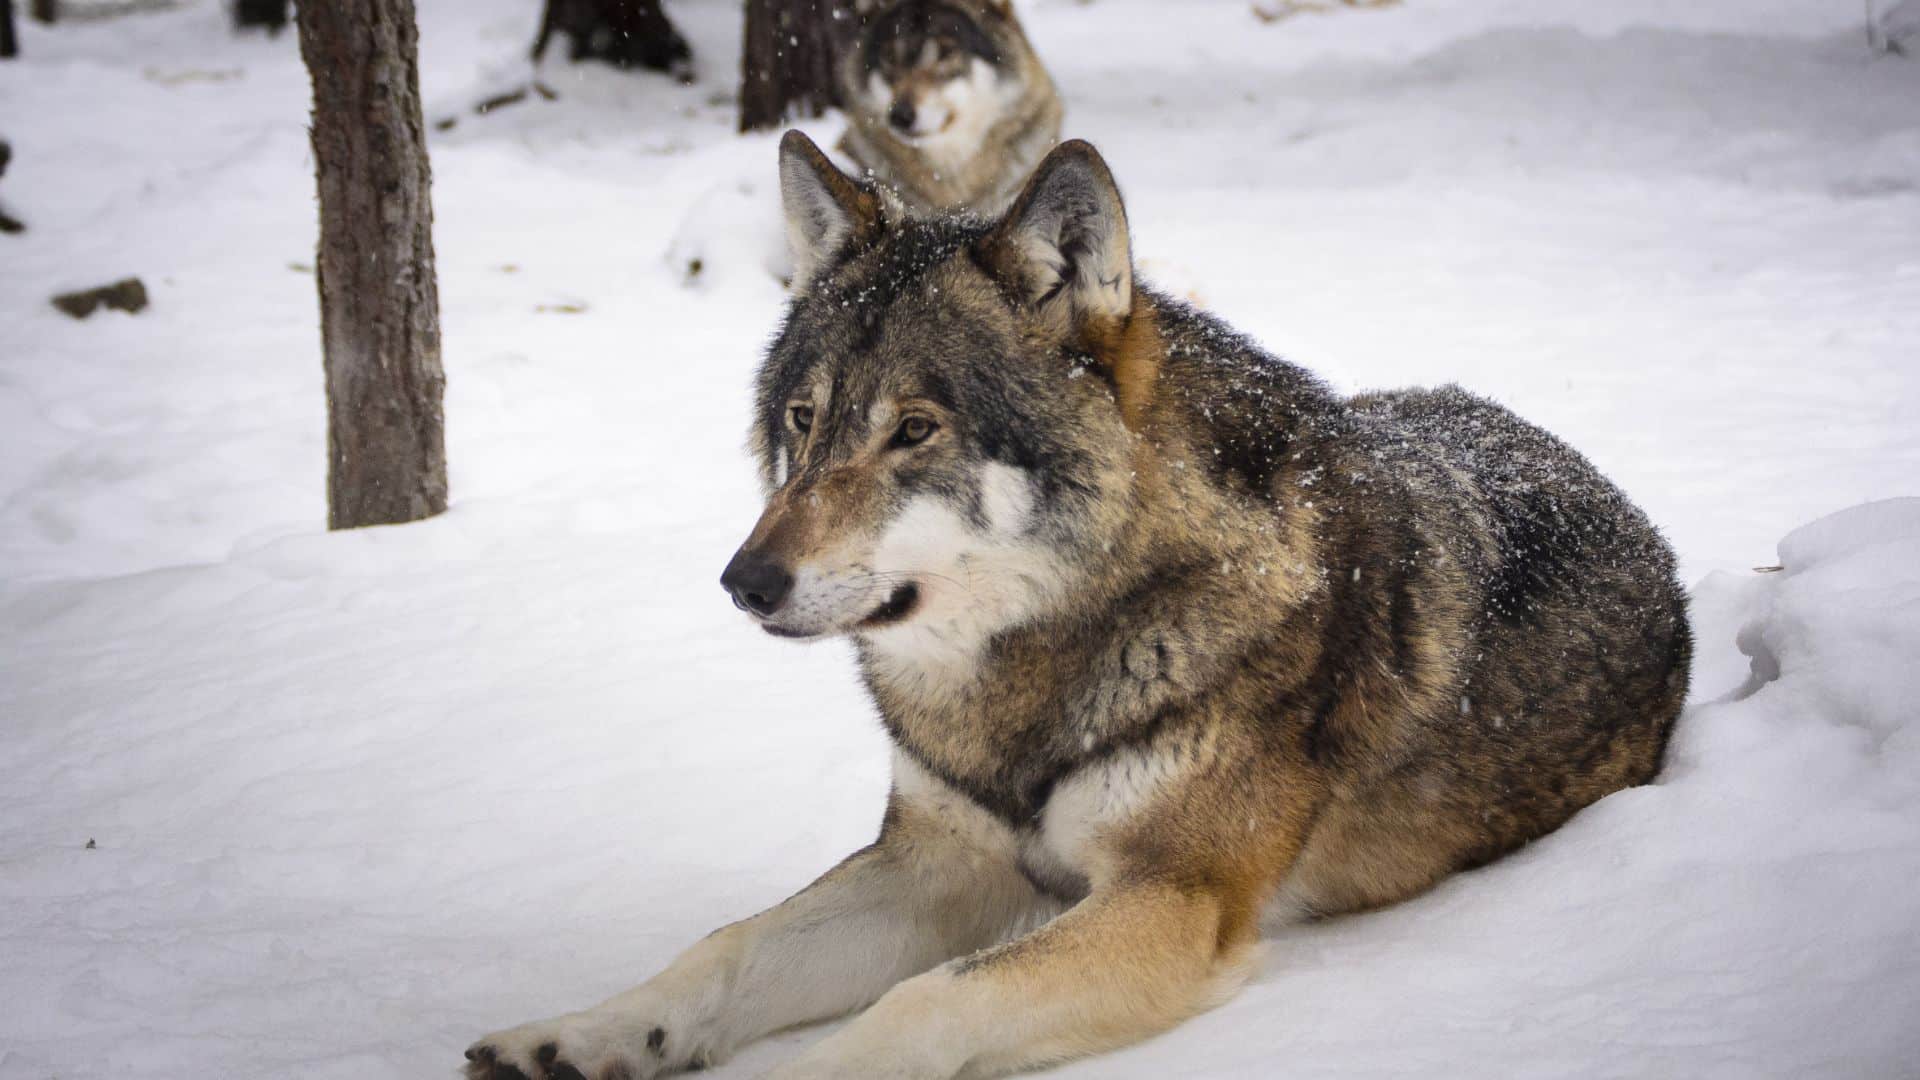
826 209
1064 241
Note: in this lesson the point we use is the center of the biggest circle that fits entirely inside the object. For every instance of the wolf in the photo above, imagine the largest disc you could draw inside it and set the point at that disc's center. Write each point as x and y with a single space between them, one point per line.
946 101
1172 641
633 34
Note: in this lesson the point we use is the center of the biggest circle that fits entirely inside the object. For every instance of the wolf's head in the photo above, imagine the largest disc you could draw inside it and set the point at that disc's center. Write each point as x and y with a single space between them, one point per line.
942 422
934 67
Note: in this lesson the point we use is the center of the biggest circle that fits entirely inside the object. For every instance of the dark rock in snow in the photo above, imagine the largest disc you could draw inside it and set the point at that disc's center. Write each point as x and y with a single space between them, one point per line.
128 295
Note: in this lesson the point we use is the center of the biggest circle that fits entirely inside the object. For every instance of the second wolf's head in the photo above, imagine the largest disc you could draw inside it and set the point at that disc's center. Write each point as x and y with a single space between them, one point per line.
942 422
936 67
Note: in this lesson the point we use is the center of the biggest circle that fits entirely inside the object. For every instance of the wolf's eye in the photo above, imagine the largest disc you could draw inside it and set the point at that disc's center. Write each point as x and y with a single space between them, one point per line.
802 416
914 430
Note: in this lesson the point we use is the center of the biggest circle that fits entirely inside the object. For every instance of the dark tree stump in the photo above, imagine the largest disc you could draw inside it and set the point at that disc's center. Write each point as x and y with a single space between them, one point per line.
788 56
44 10
624 33
268 14
379 302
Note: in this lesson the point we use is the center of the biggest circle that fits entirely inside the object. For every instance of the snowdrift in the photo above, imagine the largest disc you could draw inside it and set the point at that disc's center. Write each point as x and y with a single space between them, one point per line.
306 864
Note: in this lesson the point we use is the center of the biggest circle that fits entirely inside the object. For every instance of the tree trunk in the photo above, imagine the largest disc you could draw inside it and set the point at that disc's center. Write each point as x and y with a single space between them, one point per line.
624 33
379 304
43 10
787 59
271 14
9 45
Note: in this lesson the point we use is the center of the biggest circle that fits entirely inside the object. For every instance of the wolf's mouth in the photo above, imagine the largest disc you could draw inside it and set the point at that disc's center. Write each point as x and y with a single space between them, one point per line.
916 136
898 606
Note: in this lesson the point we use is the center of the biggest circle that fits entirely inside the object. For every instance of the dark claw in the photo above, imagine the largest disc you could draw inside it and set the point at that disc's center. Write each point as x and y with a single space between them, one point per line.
486 1065
547 1055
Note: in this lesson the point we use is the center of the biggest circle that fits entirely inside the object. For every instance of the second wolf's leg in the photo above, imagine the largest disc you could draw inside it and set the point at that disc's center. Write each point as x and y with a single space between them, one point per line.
930 889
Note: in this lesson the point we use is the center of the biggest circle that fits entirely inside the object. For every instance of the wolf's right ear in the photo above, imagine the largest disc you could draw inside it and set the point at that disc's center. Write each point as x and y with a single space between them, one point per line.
1064 241
826 209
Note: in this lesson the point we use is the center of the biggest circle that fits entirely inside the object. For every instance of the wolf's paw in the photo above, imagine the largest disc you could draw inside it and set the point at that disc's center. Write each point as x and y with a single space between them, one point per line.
583 1046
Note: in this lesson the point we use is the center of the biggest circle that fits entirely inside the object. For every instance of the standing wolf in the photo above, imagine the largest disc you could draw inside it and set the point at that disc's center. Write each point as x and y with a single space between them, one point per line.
1169 639
947 102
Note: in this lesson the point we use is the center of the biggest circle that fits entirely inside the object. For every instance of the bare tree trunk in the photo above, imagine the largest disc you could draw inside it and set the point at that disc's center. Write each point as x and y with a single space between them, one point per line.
624 33
788 56
44 10
9 45
379 304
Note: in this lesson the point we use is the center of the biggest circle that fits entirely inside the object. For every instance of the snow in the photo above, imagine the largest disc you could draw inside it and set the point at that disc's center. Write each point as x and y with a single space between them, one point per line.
358 798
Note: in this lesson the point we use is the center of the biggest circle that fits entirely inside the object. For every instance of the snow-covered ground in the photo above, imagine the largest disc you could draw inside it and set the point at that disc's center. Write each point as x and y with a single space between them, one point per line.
354 799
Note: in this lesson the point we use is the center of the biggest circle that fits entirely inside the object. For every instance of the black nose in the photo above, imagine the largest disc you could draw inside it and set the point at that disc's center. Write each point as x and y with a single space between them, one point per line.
901 115
757 583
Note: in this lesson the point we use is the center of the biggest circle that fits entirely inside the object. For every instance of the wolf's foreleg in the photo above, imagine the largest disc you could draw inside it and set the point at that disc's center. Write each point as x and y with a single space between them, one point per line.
922 894
1131 960
1184 844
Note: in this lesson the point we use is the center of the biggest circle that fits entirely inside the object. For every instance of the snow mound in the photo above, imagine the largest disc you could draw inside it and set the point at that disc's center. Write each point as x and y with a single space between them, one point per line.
311 862
730 230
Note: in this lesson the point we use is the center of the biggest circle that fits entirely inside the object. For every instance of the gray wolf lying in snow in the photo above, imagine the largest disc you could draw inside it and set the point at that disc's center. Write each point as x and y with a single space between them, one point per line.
1171 641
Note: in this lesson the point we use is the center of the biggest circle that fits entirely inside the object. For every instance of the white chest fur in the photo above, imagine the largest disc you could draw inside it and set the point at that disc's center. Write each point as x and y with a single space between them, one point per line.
1074 844
1070 844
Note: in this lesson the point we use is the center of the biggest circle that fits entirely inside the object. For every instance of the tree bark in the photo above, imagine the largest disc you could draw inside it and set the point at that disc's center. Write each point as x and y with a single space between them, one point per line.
624 33
43 10
379 303
788 57
9 45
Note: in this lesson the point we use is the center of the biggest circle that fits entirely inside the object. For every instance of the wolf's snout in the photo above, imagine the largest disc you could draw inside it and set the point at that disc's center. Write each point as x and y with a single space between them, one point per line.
901 115
756 583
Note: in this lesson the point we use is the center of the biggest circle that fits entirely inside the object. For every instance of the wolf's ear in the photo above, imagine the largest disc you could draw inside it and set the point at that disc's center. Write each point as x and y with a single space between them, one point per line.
826 209
1064 243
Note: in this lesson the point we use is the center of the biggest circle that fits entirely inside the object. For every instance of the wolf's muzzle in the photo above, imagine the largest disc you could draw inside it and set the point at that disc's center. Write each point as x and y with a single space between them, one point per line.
756 583
901 115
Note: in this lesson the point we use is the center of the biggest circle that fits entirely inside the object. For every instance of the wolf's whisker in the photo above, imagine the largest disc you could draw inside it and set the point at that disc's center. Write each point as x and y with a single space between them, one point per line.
909 576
